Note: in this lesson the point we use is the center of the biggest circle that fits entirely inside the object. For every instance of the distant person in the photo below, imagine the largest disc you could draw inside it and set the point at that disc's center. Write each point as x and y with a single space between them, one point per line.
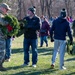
44 31
73 27
51 20
70 20
58 34
3 10
30 36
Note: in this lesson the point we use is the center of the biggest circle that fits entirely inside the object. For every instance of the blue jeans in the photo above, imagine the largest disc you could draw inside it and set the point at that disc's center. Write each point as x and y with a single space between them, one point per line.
8 48
42 39
33 44
59 46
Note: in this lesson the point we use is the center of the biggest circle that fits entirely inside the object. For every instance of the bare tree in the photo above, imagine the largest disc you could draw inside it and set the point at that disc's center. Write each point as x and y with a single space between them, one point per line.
68 7
32 2
44 7
19 10
42 4
49 6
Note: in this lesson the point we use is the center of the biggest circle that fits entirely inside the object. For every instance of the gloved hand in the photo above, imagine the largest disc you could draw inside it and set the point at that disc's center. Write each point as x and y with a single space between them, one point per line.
71 42
52 40
21 26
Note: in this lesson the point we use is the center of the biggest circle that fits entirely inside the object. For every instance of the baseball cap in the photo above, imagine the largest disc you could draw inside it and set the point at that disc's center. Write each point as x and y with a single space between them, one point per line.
6 6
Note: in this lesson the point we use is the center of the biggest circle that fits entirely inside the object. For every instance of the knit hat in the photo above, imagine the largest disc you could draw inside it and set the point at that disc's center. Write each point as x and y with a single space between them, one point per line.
63 13
32 9
6 6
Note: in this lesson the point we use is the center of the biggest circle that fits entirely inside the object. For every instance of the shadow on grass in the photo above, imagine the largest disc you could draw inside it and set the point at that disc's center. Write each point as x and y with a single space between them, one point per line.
14 68
37 72
44 51
21 73
43 72
71 59
18 50
71 73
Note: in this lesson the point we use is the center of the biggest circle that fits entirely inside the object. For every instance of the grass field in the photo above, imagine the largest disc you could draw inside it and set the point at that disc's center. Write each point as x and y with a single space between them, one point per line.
44 61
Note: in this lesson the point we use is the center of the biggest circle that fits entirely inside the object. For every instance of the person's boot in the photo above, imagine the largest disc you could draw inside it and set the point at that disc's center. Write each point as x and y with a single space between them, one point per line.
7 60
46 45
2 68
40 46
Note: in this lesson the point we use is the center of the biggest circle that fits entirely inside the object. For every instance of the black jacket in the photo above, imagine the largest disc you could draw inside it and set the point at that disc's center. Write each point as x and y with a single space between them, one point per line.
31 27
60 27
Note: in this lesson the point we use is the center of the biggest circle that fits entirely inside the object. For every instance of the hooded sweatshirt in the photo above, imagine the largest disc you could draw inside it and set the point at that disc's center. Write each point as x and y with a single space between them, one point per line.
59 28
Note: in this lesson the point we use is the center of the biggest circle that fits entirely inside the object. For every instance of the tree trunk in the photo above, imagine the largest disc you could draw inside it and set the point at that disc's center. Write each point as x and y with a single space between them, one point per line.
67 4
19 10
42 6
48 6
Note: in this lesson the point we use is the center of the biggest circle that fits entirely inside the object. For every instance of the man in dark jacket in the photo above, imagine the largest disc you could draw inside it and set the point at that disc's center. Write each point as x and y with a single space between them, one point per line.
59 28
30 36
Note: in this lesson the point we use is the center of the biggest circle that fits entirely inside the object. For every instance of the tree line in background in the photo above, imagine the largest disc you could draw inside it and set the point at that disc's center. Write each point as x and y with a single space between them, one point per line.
48 8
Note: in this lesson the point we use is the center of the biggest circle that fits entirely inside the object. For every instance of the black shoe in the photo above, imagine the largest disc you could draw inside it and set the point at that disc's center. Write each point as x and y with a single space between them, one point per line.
2 69
52 66
7 60
40 46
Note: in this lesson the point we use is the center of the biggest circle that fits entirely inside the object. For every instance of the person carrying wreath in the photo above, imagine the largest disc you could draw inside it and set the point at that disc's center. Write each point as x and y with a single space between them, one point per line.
3 10
30 36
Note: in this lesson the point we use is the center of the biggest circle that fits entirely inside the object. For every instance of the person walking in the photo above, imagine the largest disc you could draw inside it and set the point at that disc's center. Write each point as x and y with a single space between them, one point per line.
59 29
30 36
44 31
3 11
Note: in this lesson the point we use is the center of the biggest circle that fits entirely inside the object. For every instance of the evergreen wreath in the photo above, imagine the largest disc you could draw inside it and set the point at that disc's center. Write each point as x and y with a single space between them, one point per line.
21 31
13 26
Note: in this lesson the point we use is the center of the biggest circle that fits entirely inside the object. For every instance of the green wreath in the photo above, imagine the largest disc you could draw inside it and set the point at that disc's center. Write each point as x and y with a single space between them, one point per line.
13 26
21 31
70 48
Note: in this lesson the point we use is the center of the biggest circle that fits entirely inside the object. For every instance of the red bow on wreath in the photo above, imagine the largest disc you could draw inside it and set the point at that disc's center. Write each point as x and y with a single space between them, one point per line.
9 27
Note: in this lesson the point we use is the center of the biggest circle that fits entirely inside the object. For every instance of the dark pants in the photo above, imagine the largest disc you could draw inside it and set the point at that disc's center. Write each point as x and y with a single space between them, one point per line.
42 40
8 48
33 44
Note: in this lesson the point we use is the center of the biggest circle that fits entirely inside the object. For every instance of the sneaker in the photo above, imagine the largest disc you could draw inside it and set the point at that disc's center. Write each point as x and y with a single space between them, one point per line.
7 60
2 69
52 66
63 68
24 65
34 66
